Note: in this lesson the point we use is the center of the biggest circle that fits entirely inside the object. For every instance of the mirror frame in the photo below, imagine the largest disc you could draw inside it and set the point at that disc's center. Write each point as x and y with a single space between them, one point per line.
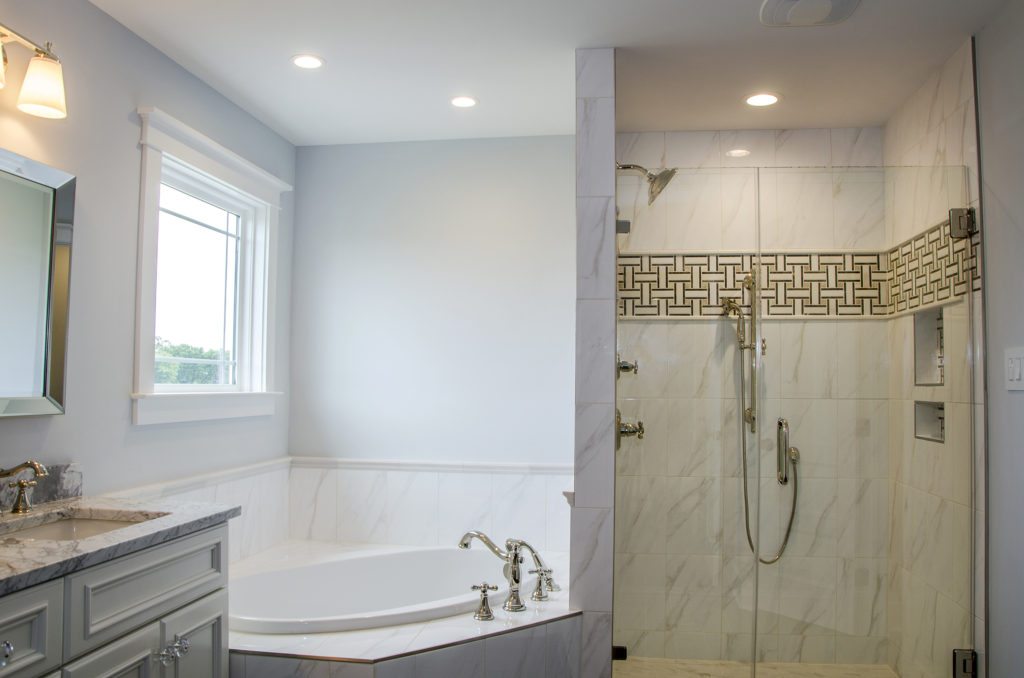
53 399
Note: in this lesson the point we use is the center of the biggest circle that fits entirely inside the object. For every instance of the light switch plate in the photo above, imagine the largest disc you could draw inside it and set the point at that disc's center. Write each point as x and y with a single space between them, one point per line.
1013 369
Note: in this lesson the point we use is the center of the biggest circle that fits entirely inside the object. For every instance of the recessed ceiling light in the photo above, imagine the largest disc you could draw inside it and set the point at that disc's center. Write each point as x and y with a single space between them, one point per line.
307 61
762 99
463 102
738 153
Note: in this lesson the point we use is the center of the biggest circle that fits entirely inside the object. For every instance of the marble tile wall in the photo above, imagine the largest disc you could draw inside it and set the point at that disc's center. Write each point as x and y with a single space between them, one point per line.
427 504
260 489
591 559
936 581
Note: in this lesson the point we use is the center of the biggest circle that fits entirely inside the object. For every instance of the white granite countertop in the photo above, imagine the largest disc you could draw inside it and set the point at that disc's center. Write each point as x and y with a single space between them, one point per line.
374 645
25 562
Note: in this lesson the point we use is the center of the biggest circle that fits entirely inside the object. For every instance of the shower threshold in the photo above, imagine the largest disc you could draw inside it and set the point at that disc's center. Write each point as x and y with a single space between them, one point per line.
640 667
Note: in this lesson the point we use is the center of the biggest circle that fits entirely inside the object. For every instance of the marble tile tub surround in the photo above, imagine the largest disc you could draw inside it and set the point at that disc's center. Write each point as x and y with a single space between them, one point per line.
427 504
542 650
30 562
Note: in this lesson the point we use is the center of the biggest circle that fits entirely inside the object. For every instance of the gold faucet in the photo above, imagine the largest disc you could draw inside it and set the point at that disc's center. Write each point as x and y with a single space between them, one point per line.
21 503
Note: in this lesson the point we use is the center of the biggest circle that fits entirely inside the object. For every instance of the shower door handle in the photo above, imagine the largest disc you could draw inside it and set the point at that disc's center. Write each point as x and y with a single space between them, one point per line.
782 450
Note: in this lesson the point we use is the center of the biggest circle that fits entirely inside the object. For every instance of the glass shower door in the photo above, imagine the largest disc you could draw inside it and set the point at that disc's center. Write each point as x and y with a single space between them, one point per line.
685 579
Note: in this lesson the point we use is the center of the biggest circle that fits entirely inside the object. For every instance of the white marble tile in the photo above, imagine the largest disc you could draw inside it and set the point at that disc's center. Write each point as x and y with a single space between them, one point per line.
815 529
595 248
859 209
591 559
562 648
862 438
739 210
595 72
856 146
558 520
520 654
645 457
519 507
658 360
464 503
460 661
760 143
861 603
412 508
313 502
694 204
362 506
648 223
803 211
862 353
807 649
596 645
595 454
809 359
812 429
595 147
595 351
693 524
646 149
802 148
956 82
703 437
862 510
640 516
692 149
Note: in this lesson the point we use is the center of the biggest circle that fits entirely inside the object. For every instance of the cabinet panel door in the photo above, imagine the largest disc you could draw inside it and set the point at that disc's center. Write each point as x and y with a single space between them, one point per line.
129 657
109 600
30 621
204 625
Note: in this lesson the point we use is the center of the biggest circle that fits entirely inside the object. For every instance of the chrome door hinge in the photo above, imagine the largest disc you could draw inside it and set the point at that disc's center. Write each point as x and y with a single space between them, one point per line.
962 223
965 663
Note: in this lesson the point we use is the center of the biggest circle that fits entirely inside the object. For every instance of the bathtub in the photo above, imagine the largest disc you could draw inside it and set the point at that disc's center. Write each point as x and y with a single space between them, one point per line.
366 589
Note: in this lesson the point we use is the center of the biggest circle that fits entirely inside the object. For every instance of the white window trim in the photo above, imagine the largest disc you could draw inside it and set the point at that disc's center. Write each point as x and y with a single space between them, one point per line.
166 139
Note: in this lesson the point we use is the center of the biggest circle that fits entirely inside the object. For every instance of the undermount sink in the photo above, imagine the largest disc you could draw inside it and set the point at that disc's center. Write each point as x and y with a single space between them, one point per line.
69 529
69 524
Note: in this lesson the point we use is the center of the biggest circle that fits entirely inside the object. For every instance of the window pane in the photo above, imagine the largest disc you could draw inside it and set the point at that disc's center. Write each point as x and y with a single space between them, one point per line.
197 294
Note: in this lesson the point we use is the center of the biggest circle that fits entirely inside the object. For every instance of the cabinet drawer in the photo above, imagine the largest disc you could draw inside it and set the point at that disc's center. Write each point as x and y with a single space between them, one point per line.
111 599
31 621
129 657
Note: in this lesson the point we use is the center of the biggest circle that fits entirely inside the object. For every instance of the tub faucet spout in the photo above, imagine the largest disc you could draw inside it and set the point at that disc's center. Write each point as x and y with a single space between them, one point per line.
513 570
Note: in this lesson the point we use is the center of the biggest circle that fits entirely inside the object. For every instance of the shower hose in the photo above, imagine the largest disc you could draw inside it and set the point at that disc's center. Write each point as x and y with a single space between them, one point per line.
746 502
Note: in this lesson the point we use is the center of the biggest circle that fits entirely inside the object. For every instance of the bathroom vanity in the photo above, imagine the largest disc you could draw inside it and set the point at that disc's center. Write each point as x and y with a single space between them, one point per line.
104 587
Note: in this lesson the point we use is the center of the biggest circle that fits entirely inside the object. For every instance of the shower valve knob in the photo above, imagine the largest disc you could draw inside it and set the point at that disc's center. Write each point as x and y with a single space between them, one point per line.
625 366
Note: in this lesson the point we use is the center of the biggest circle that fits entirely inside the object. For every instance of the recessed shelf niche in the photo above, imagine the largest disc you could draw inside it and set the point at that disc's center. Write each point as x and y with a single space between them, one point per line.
928 348
930 421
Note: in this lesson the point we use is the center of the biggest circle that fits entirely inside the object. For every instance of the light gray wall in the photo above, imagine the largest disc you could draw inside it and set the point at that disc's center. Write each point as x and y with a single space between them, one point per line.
1000 57
109 72
433 301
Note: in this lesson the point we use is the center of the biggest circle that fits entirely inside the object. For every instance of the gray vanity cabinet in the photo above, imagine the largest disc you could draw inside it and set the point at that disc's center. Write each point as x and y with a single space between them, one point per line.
30 621
158 613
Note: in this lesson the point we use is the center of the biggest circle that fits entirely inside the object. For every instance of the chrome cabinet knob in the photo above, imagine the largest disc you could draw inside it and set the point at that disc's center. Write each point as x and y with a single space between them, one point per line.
6 652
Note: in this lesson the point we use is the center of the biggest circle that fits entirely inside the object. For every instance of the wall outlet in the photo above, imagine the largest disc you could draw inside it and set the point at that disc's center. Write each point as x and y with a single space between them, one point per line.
1013 369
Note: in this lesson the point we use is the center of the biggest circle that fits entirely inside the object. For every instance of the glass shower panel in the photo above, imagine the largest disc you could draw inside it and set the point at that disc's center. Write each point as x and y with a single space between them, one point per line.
877 564
685 580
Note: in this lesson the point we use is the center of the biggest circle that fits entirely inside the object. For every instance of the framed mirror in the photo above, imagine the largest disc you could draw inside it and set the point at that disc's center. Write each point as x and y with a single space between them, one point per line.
37 206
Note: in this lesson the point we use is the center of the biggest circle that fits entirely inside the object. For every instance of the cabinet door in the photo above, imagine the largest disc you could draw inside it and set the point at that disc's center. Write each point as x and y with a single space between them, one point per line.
128 657
204 625
30 621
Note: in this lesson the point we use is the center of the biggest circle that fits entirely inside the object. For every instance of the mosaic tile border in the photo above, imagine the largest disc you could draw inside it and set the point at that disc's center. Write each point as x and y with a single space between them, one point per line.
928 269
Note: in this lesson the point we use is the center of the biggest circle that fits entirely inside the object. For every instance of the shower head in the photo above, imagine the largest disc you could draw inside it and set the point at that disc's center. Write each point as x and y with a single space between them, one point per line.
657 181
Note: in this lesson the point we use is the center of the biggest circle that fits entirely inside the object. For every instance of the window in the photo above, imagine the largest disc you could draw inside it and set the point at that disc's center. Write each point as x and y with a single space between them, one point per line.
206 257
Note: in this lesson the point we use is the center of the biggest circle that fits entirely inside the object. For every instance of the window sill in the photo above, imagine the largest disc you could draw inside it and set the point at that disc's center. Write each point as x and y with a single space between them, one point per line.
172 408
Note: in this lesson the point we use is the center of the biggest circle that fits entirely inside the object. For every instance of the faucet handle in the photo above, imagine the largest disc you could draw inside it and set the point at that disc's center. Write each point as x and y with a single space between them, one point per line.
540 593
21 502
484 613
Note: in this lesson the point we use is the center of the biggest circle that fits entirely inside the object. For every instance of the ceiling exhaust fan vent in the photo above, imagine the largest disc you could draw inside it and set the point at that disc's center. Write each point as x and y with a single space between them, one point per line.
806 12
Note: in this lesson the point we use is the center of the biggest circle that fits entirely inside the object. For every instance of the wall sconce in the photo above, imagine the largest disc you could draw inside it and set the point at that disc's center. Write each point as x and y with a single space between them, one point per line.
42 92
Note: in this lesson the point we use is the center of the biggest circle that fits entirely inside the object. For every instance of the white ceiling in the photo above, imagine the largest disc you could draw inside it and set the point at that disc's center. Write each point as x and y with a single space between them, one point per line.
392 65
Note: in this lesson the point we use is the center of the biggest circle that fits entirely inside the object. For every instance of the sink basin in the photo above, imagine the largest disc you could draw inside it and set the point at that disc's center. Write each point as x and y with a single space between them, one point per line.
69 529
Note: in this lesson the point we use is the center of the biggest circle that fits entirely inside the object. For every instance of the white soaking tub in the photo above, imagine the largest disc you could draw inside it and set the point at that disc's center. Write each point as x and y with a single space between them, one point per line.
365 589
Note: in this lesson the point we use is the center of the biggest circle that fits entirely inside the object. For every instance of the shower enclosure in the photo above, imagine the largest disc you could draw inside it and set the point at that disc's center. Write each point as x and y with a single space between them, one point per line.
802 348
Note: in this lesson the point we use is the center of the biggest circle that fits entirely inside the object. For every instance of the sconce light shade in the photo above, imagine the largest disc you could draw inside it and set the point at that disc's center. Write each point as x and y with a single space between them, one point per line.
42 93
3 66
